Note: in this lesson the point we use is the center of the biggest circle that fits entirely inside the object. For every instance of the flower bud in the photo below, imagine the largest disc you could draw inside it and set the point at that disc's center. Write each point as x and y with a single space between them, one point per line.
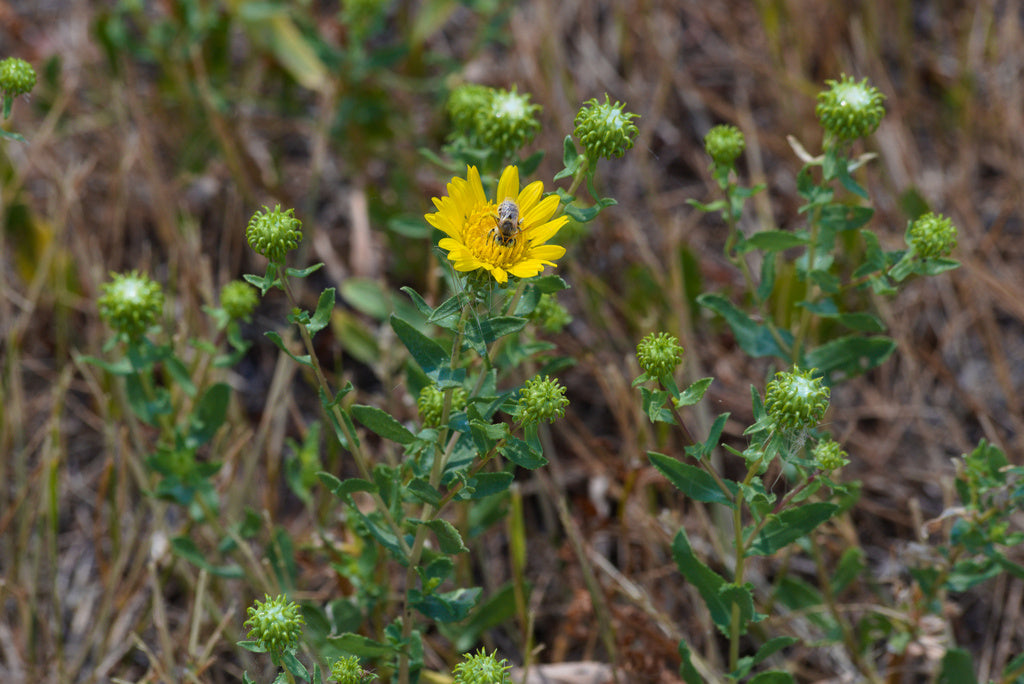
431 404
850 110
464 103
724 144
275 624
828 456
606 130
931 236
349 671
796 400
238 299
507 122
541 399
131 303
274 233
659 354
16 76
481 668
550 315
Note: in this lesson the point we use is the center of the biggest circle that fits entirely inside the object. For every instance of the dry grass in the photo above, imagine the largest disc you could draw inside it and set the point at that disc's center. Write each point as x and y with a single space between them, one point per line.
88 590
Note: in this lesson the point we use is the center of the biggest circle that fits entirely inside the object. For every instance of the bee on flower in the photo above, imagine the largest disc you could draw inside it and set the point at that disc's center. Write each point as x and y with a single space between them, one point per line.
504 236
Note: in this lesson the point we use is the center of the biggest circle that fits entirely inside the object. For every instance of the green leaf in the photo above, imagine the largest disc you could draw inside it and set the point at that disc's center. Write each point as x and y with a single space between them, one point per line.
450 606
480 333
957 667
850 355
694 482
786 527
694 393
520 453
773 646
772 677
322 316
755 339
686 669
448 537
430 356
706 580
487 484
422 490
447 315
208 415
276 339
343 488
187 549
382 423
774 241
180 374
367 296
571 159
494 611
358 645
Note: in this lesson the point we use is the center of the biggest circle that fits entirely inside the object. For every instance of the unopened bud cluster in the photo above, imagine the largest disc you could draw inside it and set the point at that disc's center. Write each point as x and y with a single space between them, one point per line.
796 400
16 76
848 109
275 624
606 130
501 120
541 399
550 315
239 299
828 456
348 670
659 354
482 668
274 233
131 303
431 404
724 144
932 236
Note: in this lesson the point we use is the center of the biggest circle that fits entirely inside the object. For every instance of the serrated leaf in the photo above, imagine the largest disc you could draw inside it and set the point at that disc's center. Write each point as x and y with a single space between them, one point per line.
707 582
430 356
382 423
694 393
358 645
345 487
692 481
786 527
520 453
852 354
957 667
279 343
450 606
423 491
448 537
481 333
754 338
774 241
322 316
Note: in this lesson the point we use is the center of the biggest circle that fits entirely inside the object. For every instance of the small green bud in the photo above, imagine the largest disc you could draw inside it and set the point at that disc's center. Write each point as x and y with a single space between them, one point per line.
659 354
541 399
464 103
274 233
349 671
275 624
724 144
796 400
131 303
481 668
239 299
431 404
850 110
828 456
550 315
507 122
606 130
931 236
16 76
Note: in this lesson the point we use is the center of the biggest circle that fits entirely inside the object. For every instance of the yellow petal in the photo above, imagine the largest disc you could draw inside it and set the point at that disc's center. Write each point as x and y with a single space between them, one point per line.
529 196
546 231
526 269
508 185
547 252
542 211
475 189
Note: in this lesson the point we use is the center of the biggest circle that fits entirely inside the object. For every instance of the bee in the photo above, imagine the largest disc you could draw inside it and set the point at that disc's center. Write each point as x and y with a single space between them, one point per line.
506 223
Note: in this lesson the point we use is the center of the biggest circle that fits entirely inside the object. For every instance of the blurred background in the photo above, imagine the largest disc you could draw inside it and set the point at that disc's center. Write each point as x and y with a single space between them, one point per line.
157 128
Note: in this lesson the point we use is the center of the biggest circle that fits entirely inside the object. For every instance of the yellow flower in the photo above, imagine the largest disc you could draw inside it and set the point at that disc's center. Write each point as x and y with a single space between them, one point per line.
474 240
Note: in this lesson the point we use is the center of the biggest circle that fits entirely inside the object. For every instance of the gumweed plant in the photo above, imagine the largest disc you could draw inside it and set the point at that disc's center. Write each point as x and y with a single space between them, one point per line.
412 494
806 305
17 77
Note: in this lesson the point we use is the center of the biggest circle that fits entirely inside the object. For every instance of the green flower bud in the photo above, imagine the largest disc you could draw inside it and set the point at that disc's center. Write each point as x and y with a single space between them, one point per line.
606 130
482 668
464 103
507 122
541 399
349 671
931 236
659 354
238 299
16 76
275 624
550 315
724 144
274 233
431 404
131 303
850 110
828 456
796 400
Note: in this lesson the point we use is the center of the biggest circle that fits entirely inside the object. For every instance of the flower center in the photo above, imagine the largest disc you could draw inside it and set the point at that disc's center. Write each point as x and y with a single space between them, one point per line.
484 239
